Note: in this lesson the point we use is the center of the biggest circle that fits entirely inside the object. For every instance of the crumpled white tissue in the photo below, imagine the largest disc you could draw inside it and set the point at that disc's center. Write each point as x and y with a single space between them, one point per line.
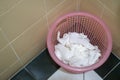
76 50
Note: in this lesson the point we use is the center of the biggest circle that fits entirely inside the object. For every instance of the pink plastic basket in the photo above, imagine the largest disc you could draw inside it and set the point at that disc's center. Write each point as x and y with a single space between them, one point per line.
88 24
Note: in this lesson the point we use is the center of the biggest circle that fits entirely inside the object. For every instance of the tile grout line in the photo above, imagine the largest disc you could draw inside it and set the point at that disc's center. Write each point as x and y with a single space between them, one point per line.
111 70
16 4
106 7
11 46
80 1
45 6
4 47
26 64
9 67
56 7
77 5
116 56
19 77
46 13
83 75
28 52
15 73
54 72
34 58
103 11
5 39
16 53
47 22
29 72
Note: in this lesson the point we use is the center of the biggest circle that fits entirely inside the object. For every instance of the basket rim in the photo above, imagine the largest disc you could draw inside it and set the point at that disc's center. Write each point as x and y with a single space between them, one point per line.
81 69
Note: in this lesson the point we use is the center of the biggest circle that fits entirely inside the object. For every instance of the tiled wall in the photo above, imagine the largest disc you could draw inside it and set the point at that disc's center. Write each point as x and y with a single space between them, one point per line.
24 25
109 11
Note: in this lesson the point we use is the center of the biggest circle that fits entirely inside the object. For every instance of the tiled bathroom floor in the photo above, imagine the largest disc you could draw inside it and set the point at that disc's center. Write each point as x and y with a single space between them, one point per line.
44 68
61 74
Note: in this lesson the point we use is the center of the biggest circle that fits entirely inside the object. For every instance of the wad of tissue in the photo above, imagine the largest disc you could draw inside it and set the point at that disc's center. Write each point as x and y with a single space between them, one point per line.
76 50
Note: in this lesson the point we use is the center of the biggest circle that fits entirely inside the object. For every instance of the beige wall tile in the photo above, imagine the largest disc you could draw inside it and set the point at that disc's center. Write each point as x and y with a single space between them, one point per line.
78 4
107 3
7 58
113 5
113 24
31 54
61 10
91 6
117 52
50 4
10 71
32 41
3 41
21 17
6 4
